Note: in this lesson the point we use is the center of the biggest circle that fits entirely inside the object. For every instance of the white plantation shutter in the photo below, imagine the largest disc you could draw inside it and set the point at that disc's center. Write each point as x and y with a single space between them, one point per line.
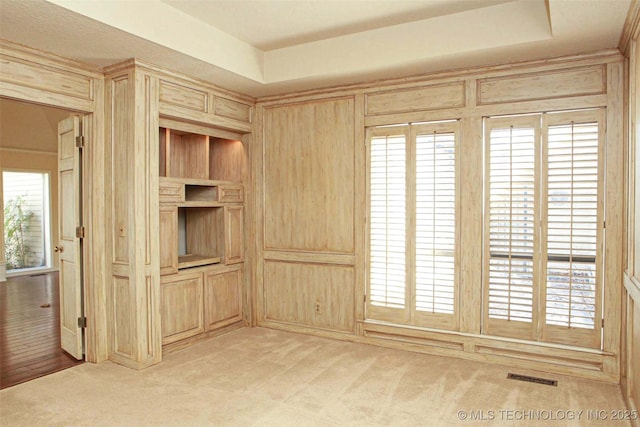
413 229
573 198
512 219
543 227
387 218
435 222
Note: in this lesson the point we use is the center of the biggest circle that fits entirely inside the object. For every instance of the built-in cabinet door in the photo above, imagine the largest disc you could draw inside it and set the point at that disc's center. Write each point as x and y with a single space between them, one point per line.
168 239
234 235
182 306
223 299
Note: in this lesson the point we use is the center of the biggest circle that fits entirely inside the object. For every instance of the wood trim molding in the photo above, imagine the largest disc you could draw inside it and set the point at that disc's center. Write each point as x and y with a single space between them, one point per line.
631 28
632 285
445 76
25 151
185 79
47 58
559 359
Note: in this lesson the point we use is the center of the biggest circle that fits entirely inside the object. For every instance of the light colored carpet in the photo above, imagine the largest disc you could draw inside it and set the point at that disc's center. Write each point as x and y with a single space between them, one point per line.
263 377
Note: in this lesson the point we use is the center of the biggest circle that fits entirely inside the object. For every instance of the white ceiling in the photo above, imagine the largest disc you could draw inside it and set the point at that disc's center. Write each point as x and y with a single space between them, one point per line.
262 47
275 24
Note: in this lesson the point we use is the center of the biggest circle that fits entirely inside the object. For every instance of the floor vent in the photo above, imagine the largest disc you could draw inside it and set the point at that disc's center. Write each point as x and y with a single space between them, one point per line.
529 379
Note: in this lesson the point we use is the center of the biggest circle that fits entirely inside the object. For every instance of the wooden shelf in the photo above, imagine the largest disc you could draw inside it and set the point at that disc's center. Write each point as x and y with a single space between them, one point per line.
200 157
201 216
196 181
200 204
187 261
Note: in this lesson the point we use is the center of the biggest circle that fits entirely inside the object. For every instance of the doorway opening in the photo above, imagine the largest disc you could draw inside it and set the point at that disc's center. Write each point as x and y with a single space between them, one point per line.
31 276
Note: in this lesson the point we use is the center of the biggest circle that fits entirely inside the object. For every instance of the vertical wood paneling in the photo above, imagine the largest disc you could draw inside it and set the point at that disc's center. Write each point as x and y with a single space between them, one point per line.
168 237
314 295
631 334
151 148
233 234
122 327
133 106
255 206
634 159
613 215
227 160
182 309
633 353
188 156
360 211
309 176
120 105
222 299
471 192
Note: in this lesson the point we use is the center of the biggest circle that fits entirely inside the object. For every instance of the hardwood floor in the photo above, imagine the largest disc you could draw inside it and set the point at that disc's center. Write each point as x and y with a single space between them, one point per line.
30 329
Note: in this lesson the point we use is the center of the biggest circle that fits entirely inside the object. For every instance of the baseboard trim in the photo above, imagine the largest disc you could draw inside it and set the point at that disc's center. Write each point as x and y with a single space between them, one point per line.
558 359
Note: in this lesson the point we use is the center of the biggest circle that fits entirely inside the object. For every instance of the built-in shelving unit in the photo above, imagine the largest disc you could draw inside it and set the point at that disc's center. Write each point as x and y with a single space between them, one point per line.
201 232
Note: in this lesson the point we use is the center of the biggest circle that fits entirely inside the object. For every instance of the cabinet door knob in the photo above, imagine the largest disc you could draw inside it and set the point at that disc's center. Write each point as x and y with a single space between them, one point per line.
58 249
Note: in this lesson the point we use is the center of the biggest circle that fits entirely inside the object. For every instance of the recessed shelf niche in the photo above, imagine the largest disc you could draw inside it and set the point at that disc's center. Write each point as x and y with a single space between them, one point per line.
200 236
201 157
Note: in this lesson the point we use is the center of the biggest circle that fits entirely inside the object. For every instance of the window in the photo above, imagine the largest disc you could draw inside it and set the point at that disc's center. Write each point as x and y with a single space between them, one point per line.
412 224
387 242
543 227
435 222
26 220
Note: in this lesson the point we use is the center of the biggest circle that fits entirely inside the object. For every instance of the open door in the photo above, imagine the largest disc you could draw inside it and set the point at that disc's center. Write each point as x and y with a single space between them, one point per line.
70 233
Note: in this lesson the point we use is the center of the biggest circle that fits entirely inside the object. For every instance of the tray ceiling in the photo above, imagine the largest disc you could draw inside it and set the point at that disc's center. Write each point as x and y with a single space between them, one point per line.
262 47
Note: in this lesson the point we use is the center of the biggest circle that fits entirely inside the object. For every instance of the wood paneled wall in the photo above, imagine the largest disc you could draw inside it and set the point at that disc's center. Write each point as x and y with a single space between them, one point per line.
309 201
309 190
132 137
630 45
311 198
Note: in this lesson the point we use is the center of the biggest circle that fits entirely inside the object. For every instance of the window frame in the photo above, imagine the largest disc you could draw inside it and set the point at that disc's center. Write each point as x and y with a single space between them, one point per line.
554 333
538 329
47 227
409 315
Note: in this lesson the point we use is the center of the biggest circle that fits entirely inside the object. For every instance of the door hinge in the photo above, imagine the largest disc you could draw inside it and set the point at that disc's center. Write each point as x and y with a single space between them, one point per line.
82 322
80 141
80 232
365 298
602 323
